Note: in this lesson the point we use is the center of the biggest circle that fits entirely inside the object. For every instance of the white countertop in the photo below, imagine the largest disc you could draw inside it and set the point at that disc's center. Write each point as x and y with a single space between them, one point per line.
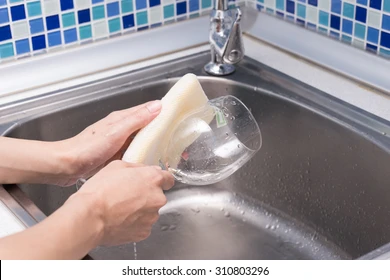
331 83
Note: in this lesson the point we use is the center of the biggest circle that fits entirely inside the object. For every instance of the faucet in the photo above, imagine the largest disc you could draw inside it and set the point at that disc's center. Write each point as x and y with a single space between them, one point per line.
225 39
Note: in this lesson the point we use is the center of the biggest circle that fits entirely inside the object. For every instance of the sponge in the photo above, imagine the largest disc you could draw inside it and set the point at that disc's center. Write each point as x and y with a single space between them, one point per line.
150 143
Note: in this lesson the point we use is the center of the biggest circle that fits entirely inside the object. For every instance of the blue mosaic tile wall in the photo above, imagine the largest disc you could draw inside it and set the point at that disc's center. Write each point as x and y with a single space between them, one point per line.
363 23
29 27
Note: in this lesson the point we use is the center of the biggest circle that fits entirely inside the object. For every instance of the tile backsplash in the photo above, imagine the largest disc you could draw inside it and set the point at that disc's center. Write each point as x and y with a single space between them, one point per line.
38 26
363 23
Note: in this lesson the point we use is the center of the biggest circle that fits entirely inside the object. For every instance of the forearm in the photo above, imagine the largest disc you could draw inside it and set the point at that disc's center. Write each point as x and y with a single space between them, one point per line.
27 161
69 233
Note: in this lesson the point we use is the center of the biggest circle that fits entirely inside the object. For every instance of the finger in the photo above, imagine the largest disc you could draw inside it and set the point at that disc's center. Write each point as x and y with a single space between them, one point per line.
142 116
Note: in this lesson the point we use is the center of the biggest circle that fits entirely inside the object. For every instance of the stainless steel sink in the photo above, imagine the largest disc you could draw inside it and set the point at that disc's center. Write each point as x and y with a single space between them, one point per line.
318 188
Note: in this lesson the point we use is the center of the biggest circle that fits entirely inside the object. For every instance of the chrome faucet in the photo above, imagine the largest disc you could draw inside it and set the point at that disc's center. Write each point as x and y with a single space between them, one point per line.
225 39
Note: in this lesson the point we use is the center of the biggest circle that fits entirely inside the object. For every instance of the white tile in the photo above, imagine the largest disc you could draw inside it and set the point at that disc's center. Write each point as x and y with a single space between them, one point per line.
82 4
20 30
100 29
270 4
324 5
312 14
51 7
358 43
167 1
374 19
155 14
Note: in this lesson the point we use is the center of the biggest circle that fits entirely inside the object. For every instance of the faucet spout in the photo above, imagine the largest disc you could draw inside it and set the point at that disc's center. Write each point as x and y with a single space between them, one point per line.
225 38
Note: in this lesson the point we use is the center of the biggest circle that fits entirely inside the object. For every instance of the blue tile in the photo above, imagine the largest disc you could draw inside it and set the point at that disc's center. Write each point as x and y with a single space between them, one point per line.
334 34
300 22
347 26
7 50
280 4
290 6
361 14
140 4
4 15
280 14
323 18
336 6
311 26
386 22
360 31
153 3
18 12
113 9
36 26
22 46
128 21
5 33
376 4
346 38
372 35
84 16
97 1
70 35
194 5
385 53
181 8
54 38
303 1
362 2
313 2
385 39
38 42
372 48
156 25
52 22
301 10
259 7
143 28
66 4
335 22
386 6
3 2
348 10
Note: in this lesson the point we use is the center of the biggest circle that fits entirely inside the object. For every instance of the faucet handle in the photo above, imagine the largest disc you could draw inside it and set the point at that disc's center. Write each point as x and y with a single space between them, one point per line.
234 51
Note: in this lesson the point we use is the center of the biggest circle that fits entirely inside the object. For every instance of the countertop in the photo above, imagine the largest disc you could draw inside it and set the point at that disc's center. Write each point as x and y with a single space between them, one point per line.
373 101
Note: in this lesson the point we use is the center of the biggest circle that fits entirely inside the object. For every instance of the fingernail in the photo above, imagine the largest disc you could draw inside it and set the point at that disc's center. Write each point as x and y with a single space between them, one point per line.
154 106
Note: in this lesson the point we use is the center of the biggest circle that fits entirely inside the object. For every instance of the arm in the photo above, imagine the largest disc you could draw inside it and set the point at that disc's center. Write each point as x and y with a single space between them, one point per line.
26 161
111 211
64 162
69 233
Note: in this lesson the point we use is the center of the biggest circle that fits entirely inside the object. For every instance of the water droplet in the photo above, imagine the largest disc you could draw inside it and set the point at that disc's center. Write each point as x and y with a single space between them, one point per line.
227 134
238 146
227 214
384 133
272 227
172 227
267 226
164 228
233 118
196 210
242 212
221 209
233 103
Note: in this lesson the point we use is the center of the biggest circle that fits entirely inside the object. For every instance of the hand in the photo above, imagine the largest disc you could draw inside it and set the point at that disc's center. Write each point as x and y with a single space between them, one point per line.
105 140
116 206
127 198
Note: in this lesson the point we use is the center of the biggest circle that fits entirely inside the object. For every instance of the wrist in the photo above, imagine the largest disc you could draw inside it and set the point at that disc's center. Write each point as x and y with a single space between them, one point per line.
88 209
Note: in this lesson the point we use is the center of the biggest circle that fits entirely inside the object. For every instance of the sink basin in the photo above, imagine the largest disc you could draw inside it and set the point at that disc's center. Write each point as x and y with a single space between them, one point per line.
317 189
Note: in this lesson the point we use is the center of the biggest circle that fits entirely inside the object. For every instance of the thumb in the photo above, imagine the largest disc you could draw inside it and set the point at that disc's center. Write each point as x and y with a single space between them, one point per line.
142 116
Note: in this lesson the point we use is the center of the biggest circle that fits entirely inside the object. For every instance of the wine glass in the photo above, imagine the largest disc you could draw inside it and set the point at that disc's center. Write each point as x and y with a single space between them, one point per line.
211 143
